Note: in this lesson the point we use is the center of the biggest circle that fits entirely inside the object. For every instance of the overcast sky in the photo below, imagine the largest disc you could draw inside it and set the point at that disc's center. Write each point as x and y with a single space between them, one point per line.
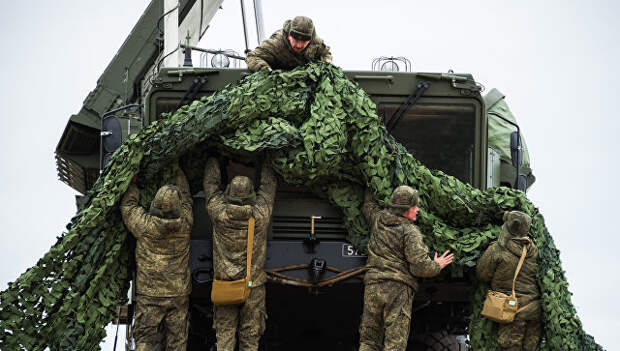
556 61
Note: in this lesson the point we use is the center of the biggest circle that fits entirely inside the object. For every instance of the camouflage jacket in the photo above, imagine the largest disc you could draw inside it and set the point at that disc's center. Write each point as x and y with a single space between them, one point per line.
162 249
230 225
276 53
396 249
498 265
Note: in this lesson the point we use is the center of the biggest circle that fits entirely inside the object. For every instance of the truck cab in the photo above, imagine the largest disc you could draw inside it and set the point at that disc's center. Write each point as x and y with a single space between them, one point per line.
315 290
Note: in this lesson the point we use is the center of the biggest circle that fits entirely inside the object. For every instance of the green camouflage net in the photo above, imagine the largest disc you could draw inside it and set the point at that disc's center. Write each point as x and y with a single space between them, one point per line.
320 130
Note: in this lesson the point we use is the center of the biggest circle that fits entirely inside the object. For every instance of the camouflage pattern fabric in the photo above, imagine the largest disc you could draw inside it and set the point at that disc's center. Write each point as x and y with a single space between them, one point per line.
387 315
396 250
230 232
519 335
517 222
276 52
153 313
498 265
248 319
300 28
403 198
230 225
162 248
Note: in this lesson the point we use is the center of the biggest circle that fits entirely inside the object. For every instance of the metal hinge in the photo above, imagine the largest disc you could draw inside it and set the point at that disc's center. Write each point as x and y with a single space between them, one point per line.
466 85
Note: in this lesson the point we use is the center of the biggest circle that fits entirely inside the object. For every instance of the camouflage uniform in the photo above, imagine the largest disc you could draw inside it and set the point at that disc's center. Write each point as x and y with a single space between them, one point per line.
396 256
229 211
163 280
276 52
498 265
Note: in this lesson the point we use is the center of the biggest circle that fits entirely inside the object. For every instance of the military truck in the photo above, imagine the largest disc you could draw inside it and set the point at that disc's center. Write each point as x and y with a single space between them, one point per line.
315 290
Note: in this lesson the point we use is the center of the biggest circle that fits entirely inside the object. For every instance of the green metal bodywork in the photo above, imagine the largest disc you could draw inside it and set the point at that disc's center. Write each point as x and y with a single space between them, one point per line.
118 85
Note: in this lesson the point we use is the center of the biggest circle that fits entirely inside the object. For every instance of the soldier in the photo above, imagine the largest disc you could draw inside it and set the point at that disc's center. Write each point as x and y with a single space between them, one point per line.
229 211
498 265
163 280
294 45
396 256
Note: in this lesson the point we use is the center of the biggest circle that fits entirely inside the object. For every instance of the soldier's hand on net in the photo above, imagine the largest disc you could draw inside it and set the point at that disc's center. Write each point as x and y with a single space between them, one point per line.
444 259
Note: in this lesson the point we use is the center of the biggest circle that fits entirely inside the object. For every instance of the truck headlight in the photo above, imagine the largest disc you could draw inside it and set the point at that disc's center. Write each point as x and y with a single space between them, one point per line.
220 61
389 66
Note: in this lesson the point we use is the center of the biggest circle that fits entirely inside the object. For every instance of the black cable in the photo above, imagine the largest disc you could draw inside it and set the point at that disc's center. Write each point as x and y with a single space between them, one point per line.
118 323
161 32
168 54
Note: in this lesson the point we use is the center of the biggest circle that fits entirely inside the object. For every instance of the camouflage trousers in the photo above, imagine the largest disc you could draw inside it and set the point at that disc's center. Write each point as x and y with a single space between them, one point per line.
386 317
519 335
247 319
152 313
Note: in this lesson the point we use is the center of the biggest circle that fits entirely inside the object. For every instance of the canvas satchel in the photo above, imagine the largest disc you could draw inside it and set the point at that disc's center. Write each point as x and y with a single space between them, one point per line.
500 307
237 291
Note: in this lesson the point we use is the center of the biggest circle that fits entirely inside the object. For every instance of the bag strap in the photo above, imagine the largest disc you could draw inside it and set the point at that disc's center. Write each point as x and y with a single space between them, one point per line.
514 280
250 248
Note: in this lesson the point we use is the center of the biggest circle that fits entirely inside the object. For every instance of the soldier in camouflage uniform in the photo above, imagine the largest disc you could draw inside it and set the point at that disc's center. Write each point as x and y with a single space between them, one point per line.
229 211
294 45
498 265
396 256
163 280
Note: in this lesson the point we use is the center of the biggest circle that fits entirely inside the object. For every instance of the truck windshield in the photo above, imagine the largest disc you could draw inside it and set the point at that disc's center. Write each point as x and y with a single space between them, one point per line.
438 135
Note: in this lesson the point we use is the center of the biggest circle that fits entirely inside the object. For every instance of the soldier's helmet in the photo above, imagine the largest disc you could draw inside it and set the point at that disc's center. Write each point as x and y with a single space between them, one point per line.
240 191
300 28
403 198
167 202
517 222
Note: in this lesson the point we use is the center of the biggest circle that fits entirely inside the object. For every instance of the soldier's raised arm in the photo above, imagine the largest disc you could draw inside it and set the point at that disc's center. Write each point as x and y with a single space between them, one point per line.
260 57
212 179
370 206
186 197
416 253
134 216
268 185
487 263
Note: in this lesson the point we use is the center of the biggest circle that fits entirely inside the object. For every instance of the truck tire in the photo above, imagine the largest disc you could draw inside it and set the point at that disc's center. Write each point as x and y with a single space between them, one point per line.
439 341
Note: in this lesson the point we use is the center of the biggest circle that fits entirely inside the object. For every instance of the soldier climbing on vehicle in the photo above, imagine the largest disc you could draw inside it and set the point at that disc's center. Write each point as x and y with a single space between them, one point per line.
230 211
163 282
294 45
397 255
498 265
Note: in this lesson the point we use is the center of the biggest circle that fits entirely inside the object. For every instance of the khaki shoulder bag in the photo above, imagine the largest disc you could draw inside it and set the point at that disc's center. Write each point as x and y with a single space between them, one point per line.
236 291
500 307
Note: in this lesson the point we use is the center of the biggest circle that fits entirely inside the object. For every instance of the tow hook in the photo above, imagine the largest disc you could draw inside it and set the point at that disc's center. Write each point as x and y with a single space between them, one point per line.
317 268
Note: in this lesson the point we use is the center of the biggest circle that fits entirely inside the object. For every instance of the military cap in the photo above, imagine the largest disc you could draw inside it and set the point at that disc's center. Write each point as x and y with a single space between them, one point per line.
240 191
517 222
403 198
167 202
300 28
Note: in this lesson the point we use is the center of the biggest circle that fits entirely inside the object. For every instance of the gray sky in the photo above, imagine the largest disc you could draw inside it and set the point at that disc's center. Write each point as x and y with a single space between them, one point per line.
556 61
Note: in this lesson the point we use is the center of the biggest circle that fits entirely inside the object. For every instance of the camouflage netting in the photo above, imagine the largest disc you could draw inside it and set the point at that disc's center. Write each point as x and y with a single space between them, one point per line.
320 130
